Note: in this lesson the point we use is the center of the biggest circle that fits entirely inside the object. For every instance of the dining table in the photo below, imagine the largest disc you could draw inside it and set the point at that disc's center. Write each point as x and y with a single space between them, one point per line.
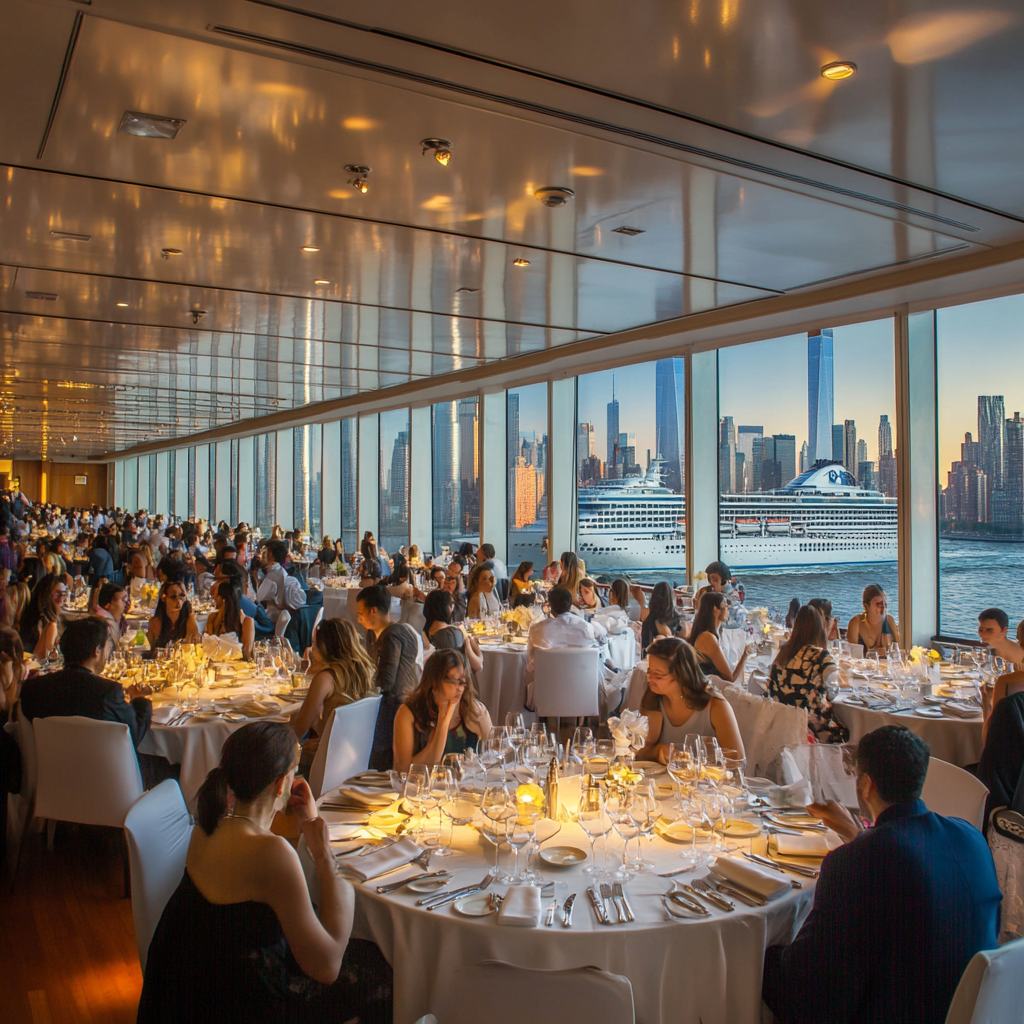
684 969
501 683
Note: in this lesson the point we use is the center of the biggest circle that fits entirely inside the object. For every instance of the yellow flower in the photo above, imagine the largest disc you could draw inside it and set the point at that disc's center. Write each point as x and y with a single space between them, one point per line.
529 801
934 655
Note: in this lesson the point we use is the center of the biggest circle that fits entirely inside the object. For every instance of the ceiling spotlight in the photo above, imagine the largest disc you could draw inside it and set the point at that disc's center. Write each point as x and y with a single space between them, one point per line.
837 70
150 126
74 437
554 195
321 280
520 262
442 149
359 182
168 253
123 305
311 248
197 315
70 236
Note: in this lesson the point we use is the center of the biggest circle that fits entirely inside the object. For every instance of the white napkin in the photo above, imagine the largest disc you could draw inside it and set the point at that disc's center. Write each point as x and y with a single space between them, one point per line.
816 844
362 796
764 882
394 856
164 713
961 710
521 908
222 648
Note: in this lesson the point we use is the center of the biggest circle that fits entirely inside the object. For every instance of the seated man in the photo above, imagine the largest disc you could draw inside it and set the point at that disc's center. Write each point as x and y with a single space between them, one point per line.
395 648
992 626
562 628
899 910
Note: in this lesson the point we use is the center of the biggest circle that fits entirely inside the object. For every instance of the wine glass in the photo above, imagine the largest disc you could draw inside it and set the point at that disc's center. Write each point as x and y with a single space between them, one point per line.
522 831
535 756
582 743
455 764
644 809
682 767
441 787
459 810
593 819
417 786
618 807
497 807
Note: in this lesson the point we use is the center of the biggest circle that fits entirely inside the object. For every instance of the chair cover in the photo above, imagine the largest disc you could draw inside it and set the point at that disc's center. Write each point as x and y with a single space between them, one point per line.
515 994
989 991
766 728
954 793
345 746
565 682
159 829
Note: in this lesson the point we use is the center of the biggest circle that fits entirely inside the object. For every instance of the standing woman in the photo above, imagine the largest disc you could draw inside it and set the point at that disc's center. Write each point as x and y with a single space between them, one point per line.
229 617
173 619
711 616
40 622
873 628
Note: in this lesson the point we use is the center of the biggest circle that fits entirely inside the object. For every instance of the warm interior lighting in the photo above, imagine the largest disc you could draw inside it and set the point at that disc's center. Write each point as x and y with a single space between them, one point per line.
586 172
361 185
311 248
520 262
442 149
837 70
123 305
150 126
321 280
358 124
361 172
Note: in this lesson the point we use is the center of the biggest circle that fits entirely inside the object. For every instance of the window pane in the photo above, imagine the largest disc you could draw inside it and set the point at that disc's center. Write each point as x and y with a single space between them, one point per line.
233 484
807 503
266 482
172 478
394 480
131 485
980 388
306 511
456 478
527 495
630 471
349 484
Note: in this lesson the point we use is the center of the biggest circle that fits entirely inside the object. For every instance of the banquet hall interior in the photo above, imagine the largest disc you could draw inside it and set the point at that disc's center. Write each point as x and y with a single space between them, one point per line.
705 317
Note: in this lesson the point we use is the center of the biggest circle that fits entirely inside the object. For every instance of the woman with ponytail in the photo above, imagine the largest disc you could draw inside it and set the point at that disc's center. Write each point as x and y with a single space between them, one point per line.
230 937
679 701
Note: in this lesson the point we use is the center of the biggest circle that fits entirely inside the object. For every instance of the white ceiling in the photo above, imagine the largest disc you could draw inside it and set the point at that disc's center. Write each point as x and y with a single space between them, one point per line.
706 125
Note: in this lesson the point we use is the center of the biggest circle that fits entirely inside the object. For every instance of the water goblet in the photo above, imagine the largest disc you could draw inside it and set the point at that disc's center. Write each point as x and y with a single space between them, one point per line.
592 816
497 807
522 831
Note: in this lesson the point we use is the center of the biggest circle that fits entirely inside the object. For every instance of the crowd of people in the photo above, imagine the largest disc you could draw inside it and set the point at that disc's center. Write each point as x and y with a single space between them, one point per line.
243 889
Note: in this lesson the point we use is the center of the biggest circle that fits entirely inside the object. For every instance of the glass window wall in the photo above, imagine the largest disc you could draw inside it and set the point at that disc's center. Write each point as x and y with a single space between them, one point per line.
266 482
630 471
349 484
807 468
394 480
980 402
527 464
308 442
456 474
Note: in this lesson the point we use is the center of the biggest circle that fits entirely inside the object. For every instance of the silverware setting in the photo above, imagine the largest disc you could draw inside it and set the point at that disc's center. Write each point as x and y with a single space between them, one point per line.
714 898
680 899
567 911
598 905
751 899
394 886
549 917
797 869
803 826
606 895
433 902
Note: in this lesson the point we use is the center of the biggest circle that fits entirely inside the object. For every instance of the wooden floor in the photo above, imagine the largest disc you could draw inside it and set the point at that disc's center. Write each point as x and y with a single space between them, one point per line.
67 942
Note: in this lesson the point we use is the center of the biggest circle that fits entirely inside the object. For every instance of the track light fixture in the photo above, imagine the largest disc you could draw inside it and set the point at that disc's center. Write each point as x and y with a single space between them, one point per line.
359 182
441 148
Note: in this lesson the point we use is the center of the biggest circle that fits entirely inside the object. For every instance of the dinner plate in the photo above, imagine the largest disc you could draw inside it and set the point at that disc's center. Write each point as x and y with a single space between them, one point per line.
386 818
929 712
562 856
735 828
650 767
474 906
428 884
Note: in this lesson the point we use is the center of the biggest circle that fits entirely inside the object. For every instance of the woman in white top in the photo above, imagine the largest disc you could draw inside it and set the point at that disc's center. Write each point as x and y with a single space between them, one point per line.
229 618
480 597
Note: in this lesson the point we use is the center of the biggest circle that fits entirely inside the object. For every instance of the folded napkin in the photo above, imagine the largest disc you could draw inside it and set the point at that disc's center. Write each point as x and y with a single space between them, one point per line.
163 713
961 710
521 907
222 648
373 864
362 796
816 844
763 881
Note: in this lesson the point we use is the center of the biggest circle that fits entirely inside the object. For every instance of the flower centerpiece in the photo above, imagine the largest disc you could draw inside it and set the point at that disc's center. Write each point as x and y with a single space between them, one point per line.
923 660
629 732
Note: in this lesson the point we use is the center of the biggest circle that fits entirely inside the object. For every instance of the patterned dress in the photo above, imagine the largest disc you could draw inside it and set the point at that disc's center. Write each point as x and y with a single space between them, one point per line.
801 683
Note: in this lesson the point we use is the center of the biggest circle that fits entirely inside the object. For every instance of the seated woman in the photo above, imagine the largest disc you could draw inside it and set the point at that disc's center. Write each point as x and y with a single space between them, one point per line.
327 555
440 634
40 622
801 673
481 599
341 672
520 582
873 628
441 716
142 564
629 598
589 600
711 615
173 619
571 573
241 921
662 617
111 604
794 607
825 608
18 595
229 617
399 584
679 701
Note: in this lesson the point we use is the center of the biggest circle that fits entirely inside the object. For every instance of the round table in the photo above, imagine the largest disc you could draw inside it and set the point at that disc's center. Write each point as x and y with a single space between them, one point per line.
501 684
196 745
694 971
956 740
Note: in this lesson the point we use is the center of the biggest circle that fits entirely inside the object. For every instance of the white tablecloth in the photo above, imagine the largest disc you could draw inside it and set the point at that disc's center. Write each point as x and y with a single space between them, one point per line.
196 745
705 971
956 740
501 684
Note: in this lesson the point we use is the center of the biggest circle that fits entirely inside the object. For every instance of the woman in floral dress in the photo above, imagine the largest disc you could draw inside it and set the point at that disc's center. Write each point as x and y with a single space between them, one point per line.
801 672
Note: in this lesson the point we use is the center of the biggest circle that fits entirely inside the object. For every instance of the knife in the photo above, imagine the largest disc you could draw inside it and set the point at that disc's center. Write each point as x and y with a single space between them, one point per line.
392 886
799 869
714 898
567 911
602 914
452 897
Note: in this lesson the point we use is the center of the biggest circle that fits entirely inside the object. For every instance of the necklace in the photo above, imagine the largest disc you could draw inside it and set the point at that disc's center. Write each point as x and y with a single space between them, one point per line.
247 818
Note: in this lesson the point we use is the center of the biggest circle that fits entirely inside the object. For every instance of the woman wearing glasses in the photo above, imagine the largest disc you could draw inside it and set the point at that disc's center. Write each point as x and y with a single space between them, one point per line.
173 619
40 622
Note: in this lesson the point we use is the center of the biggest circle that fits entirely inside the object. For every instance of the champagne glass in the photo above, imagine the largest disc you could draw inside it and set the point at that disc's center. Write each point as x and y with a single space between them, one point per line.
593 819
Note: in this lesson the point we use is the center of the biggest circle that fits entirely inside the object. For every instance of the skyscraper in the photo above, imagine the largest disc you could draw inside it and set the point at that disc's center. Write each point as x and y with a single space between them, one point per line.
447 484
469 464
992 443
512 443
850 447
837 442
1013 475
805 462
886 459
745 436
398 479
885 436
669 421
584 446
862 452
820 394
785 456
612 431
727 482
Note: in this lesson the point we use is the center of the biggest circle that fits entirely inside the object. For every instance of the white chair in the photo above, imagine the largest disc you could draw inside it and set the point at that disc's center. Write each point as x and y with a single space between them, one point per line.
565 682
159 829
345 746
989 990
766 728
319 617
427 1018
515 994
950 791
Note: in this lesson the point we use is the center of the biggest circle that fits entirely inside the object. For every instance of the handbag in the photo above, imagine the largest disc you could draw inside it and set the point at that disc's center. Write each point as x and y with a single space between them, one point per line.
1009 821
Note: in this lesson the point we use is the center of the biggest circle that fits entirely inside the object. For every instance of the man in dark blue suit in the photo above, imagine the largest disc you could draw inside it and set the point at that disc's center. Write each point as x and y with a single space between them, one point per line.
899 910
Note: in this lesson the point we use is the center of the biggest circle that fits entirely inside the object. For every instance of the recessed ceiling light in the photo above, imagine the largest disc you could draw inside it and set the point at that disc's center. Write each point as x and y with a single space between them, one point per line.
442 149
321 280
837 70
554 195
358 124
168 253
361 172
586 172
311 248
70 236
43 296
150 126
123 305
520 262
626 230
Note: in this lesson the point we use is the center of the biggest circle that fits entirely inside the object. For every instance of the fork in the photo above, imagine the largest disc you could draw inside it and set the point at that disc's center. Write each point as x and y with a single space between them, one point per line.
433 902
623 903
701 885
606 895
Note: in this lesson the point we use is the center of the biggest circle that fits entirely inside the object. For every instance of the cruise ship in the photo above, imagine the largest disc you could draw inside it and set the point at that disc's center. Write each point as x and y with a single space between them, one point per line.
821 517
